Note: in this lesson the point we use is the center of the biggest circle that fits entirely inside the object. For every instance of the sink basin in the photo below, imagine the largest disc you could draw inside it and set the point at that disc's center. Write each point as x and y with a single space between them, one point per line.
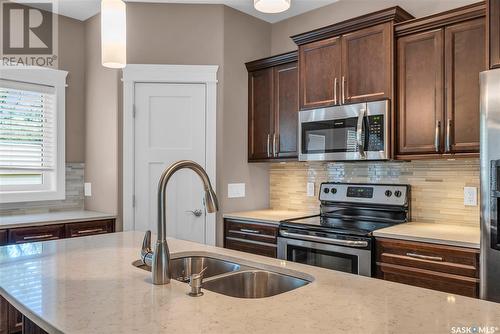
183 267
253 284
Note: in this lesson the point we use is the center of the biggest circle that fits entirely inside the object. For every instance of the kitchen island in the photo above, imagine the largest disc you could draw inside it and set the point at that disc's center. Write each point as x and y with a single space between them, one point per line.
89 285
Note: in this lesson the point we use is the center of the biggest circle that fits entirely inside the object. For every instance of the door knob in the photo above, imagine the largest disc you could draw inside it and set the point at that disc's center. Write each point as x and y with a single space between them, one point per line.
196 213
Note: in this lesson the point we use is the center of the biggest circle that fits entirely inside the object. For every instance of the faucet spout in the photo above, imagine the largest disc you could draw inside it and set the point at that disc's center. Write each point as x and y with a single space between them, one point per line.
161 256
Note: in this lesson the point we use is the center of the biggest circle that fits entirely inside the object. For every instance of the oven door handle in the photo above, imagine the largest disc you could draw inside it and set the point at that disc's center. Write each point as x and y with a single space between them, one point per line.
340 242
359 134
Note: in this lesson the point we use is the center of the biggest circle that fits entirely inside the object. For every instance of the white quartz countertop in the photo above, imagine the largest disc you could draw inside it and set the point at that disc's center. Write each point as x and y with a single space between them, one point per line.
445 234
268 215
88 285
51 218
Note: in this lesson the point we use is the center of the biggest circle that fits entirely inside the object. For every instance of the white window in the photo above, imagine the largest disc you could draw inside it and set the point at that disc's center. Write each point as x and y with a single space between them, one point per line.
32 134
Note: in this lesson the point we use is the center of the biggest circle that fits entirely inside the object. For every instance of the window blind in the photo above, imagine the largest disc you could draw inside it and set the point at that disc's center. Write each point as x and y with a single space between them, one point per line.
27 126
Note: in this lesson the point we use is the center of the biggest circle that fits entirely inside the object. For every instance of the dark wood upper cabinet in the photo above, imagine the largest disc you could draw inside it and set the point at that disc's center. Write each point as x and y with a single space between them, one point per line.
273 108
367 63
420 92
320 73
260 113
286 99
439 59
494 32
465 59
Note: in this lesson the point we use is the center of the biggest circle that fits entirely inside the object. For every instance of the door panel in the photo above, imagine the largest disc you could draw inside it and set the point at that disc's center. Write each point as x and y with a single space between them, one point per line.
286 99
494 32
319 66
260 114
170 126
420 93
465 59
367 63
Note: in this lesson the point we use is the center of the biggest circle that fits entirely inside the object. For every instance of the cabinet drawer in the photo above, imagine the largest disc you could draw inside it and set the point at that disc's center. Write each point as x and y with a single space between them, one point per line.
438 258
456 284
3 237
37 233
248 231
74 230
250 246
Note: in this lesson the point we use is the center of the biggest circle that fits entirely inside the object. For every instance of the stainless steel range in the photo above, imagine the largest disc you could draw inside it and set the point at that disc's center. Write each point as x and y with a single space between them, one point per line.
340 238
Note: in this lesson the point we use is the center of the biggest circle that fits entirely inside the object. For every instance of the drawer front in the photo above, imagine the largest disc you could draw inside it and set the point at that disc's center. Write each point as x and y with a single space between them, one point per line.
15 320
459 285
75 230
250 246
250 231
4 237
37 233
438 258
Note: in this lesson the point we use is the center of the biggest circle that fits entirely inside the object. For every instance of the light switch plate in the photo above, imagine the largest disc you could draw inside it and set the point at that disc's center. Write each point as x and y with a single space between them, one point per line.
470 196
235 190
310 189
87 189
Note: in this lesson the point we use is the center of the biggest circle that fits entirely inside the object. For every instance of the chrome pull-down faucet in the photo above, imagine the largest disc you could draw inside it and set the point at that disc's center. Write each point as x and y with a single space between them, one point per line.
159 260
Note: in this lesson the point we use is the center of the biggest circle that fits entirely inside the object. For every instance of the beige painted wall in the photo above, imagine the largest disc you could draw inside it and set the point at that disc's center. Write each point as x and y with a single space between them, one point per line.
101 139
346 9
71 57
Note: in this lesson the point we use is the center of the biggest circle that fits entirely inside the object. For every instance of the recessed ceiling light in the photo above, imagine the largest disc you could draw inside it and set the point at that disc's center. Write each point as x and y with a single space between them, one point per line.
271 6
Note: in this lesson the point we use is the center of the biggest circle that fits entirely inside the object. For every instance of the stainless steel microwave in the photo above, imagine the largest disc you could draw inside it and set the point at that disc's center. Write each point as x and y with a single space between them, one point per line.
348 132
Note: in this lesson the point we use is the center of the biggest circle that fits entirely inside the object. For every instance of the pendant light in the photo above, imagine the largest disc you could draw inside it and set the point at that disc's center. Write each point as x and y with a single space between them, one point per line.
113 33
271 6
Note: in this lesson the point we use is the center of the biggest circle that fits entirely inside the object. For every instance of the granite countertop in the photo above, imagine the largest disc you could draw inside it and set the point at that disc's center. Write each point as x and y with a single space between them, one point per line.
12 221
268 215
445 234
88 285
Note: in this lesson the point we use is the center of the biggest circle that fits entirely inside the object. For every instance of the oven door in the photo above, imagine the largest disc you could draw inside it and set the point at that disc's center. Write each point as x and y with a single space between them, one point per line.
340 258
350 132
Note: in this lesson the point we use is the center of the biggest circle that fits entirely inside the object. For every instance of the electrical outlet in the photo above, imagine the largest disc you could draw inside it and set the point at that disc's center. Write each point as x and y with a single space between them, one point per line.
310 189
470 196
87 189
235 190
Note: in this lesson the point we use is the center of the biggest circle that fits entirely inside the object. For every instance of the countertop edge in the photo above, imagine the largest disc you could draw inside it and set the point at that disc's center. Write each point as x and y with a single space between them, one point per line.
456 243
56 221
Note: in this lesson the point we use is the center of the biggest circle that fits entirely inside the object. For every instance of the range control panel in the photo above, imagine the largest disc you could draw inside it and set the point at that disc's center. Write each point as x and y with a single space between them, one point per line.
391 194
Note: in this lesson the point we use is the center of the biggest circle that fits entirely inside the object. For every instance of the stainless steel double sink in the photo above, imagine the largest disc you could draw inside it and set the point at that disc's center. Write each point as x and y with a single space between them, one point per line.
232 279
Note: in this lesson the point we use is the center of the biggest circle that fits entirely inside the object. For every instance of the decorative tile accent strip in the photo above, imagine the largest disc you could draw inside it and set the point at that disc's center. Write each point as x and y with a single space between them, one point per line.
437 185
73 201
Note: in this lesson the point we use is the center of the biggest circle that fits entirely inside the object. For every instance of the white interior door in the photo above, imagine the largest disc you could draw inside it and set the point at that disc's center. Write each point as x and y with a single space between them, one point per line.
170 125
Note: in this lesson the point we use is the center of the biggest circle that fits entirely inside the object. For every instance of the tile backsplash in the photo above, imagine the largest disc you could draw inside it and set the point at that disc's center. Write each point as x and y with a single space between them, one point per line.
73 201
437 193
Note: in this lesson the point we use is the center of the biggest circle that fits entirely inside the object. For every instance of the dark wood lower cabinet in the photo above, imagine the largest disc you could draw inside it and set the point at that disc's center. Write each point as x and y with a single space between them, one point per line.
75 230
437 267
35 233
4 237
251 237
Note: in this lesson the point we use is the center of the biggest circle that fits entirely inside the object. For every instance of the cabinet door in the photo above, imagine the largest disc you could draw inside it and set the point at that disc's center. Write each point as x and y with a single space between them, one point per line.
3 237
4 316
465 58
286 109
260 114
367 64
320 73
420 93
494 32
15 320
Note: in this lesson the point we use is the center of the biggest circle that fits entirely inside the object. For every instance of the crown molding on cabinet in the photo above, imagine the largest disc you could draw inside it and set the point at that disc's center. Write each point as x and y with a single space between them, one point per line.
267 62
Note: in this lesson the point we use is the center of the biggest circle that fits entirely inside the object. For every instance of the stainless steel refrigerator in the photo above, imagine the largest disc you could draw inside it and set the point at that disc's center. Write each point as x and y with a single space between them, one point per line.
490 185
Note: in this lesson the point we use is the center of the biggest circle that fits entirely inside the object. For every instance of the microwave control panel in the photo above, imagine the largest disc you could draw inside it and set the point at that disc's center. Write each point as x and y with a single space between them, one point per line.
376 133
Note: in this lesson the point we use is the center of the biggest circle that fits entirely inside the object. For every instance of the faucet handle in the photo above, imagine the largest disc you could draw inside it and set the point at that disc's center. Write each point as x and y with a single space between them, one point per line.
146 243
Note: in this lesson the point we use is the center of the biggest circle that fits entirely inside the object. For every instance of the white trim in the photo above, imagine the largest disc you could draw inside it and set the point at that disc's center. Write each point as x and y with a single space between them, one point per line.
136 73
57 79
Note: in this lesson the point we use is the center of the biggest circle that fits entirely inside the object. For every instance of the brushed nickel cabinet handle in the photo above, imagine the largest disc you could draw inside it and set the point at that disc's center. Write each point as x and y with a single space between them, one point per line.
448 135
425 257
335 83
275 148
94 230
343 90
41 236
437 139
247 230
268 144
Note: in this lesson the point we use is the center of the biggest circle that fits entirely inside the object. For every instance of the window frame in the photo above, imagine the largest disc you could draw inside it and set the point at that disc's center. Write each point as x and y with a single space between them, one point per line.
57 79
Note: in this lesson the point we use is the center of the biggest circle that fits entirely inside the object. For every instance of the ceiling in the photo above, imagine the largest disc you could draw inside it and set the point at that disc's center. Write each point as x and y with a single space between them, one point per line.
84 9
